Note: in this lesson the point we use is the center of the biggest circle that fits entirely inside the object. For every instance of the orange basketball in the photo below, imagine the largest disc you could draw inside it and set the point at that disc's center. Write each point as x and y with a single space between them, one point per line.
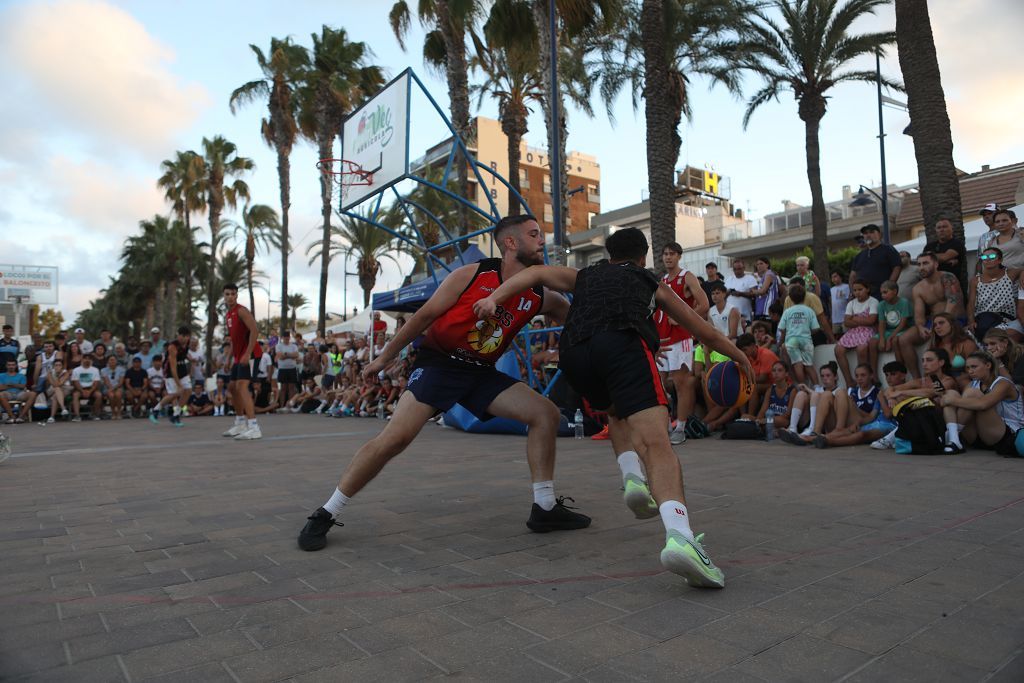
727 385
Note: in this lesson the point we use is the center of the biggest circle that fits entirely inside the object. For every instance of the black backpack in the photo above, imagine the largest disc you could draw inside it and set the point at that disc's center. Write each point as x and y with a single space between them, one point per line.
919 427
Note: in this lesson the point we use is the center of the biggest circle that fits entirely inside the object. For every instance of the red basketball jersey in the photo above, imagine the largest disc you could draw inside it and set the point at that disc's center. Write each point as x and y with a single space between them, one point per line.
460 335
666 330
239 335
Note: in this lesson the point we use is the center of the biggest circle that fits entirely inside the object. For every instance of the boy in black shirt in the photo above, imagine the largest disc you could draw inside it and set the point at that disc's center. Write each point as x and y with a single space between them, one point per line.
607 355
136 388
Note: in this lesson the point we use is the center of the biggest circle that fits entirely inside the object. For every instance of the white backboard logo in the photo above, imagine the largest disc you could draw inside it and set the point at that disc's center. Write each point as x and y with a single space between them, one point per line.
375 136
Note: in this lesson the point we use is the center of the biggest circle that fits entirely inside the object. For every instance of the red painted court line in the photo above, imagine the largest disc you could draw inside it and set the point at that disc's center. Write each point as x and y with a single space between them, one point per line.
511 583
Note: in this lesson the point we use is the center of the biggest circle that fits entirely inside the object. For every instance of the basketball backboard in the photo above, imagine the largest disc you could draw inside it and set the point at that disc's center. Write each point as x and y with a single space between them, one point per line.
376 136
29 284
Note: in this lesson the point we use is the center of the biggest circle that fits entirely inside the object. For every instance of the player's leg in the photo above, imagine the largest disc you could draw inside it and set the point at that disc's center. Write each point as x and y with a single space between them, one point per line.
369 460
76 405
636 492
519 402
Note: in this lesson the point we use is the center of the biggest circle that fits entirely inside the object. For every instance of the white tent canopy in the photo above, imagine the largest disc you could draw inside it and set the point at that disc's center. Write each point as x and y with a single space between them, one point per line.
359 324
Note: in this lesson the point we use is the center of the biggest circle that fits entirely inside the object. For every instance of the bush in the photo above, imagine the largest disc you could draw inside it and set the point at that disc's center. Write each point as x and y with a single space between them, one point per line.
837 260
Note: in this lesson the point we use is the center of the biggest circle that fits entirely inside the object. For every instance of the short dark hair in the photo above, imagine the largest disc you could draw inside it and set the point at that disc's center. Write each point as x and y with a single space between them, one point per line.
869 228
8 327
744 340
156 358
502 227
185 329
230 286
999 252
797 293
894 366
674 247
628 244
776 307
717 285
710 264
927 254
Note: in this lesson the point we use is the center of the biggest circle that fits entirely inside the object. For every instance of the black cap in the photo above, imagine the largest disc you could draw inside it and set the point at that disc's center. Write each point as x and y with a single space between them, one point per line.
870 227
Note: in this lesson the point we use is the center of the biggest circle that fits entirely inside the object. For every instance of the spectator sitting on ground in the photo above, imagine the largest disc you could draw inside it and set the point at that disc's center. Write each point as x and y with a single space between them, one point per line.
112 386
309 396
820 418
1009 354
992 297
860 323
778 398
198 402
935 381
136 388
155 373
221 398
988 414
867 414
87 387
895 316
762 361
264 395
13 389
796 327
948 334
390 393
58 386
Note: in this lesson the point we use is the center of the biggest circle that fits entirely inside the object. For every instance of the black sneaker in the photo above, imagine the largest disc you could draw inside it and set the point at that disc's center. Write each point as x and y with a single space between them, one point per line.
314 535
559 518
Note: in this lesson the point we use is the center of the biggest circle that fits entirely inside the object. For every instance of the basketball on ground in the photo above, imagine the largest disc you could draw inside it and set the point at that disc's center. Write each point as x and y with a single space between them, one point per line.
727 385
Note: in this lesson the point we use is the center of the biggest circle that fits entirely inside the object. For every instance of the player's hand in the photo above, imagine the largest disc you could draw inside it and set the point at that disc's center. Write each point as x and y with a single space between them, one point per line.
748 369
244 360
485 308
373 368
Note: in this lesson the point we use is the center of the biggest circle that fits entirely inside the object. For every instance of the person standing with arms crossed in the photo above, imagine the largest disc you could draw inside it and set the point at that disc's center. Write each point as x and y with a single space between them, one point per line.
242 331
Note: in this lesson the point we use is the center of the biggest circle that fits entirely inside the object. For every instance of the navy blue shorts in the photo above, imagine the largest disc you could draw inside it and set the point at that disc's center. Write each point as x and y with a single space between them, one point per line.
242 371
472 387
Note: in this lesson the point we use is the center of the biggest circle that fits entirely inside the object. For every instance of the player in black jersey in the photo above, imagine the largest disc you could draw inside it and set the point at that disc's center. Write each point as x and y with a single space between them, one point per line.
178 376
607 354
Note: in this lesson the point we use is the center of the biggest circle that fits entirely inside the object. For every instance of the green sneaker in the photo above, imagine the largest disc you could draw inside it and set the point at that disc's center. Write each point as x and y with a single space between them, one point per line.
638 498
688 559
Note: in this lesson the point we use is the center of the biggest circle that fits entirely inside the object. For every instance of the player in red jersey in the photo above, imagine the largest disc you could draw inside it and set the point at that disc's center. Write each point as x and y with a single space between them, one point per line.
242 331
676 359
455 364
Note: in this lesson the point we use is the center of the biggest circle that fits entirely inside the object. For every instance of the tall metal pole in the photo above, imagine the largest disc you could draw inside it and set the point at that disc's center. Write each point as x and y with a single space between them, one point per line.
555 136
881 149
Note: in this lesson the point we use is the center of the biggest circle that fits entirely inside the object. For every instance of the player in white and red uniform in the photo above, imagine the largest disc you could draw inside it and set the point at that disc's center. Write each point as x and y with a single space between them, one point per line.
676 340
455 364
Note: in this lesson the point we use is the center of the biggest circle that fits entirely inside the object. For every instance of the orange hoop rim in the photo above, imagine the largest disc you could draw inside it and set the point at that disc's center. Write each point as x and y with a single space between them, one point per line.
345 172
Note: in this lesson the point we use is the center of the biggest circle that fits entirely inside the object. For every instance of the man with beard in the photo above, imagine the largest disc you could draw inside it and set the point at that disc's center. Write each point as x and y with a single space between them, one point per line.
937 292
455 364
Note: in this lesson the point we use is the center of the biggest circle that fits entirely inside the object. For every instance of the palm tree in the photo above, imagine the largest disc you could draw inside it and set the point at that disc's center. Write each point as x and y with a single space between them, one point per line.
280 73
933 142
296 302
338 80
656 49
259 228
221 163
364 242
809 52
181 182
511 77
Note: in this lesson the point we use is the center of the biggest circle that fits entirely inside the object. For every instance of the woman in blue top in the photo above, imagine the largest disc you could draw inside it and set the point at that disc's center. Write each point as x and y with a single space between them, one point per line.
866 413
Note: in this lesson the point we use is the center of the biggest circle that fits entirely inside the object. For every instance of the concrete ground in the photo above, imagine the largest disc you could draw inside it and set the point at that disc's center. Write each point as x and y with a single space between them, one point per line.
134 552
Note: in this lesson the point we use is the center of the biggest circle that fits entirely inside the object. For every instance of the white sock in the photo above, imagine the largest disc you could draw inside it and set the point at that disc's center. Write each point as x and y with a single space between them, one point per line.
953 434
177 411
239 419
794 419
814 419
629 463
336 503
674 517
252 423
544 494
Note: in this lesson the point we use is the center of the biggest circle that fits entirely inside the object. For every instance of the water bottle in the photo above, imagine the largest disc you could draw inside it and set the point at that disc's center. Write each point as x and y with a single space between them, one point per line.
769 424
578 423
380 408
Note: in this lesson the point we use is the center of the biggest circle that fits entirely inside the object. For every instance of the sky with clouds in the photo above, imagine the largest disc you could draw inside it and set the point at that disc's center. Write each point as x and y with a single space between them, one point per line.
99 92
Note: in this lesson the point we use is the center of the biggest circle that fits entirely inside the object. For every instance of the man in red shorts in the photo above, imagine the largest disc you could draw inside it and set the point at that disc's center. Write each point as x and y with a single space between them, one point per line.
242 331
455 364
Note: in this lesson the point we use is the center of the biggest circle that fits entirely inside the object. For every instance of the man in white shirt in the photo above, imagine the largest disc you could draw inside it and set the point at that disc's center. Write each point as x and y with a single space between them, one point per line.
84 345
86 382
286 353
155 372
741 286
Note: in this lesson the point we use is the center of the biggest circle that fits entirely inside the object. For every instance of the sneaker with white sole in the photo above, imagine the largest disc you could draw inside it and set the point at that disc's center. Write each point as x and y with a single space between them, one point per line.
638 497
236 429
249 434
687 559
886 442
678 435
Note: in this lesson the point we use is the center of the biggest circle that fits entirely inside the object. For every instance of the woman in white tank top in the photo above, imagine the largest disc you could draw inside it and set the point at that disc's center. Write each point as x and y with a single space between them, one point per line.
990 409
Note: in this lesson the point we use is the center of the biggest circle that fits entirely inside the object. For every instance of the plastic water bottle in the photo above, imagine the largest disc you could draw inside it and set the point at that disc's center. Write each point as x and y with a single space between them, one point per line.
578 423
380 408
769 424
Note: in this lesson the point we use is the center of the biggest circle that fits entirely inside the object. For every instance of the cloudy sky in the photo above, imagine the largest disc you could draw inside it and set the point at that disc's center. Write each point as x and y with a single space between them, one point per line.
98 92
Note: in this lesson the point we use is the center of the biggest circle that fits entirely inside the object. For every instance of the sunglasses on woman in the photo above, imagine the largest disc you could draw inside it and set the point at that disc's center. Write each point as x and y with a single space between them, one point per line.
987 257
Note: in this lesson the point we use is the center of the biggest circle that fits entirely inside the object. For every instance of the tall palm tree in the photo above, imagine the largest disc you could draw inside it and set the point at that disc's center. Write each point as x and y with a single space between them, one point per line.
295 303
655 50
809 52
933 142
511 76
360 240
223 188
181 182
260 227
281 71
338 80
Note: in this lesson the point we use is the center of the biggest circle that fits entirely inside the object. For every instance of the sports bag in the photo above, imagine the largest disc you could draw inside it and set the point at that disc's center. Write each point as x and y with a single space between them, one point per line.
742 429
919 428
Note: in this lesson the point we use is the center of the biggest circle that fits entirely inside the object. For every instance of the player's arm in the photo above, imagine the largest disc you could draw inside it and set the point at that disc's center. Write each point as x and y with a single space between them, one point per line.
250 322
670 302
558 278
447 293
555 305
701 305
172 359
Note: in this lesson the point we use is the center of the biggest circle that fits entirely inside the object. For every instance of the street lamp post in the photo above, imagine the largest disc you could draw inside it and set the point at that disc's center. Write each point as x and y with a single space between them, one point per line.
881 149
344 287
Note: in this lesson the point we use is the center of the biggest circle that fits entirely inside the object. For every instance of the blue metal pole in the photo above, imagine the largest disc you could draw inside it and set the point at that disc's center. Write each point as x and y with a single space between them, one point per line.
554 157
881 149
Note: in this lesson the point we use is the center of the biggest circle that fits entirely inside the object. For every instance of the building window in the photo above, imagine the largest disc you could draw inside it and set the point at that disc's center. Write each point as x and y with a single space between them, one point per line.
524 179
547 183
593 194
549 216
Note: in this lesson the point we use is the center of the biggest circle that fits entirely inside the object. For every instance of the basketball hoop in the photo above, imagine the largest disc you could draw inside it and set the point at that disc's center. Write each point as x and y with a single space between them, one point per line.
345 173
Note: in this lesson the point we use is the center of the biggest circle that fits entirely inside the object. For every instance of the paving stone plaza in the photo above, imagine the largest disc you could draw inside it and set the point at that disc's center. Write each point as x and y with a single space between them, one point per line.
130 552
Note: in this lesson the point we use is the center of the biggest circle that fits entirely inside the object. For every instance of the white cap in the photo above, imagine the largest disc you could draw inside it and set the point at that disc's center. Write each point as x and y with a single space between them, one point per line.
991 206
155 329
79 329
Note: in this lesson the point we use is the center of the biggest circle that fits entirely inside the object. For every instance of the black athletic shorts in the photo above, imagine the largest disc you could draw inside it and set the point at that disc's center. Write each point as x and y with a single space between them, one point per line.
1007 445
241 371
614 369
289 376
472 387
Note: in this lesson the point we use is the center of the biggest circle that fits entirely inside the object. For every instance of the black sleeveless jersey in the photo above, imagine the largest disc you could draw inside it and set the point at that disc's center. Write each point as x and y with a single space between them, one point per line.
610 296
181 359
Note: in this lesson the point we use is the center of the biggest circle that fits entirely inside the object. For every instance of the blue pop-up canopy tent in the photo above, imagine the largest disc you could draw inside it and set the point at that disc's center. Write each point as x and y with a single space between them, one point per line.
409 298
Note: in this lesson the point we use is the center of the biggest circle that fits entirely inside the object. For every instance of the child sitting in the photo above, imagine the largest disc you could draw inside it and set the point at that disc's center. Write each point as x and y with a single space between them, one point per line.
860 323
